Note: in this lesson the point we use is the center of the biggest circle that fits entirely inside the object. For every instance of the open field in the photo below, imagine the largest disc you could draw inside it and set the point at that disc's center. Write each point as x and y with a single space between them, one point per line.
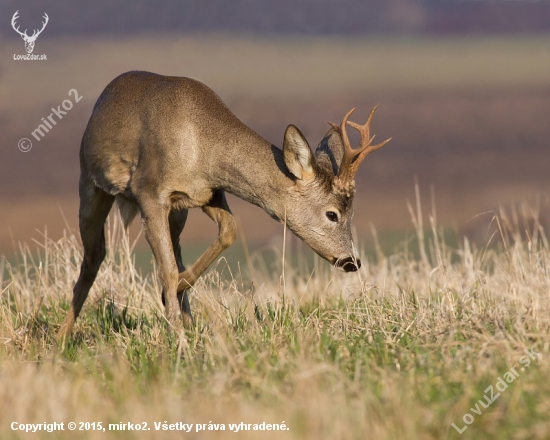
466 116
289 68
400 350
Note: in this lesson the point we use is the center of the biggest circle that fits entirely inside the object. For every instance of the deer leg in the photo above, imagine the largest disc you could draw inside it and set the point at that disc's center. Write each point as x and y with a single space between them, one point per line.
156 229
177 220
95 205
218 210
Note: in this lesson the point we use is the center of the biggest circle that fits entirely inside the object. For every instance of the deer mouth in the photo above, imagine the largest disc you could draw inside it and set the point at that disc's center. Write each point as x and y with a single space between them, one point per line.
348 264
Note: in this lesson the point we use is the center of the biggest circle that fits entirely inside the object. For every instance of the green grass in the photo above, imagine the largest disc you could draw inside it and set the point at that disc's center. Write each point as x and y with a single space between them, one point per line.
400 350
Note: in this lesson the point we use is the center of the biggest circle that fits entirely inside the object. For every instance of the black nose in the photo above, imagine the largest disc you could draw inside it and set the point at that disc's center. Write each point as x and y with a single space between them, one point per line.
350 264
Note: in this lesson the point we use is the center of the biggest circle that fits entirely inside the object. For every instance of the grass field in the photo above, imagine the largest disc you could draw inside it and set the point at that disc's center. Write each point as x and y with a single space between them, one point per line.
400 350
403 349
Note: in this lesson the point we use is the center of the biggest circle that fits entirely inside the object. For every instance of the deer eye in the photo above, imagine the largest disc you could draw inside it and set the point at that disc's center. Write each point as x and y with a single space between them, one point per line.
332 216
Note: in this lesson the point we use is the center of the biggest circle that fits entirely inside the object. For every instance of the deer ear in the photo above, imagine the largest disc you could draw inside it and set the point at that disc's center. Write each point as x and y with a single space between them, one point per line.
330 152
297 154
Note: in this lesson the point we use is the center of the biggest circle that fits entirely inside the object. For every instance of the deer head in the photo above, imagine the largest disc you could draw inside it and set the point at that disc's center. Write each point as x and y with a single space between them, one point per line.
29 41
321 206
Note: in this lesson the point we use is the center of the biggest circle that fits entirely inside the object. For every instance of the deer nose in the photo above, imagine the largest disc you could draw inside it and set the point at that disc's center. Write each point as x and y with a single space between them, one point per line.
350 264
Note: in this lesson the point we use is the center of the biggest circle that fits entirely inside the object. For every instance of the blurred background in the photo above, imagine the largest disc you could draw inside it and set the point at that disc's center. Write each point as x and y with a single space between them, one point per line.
463 87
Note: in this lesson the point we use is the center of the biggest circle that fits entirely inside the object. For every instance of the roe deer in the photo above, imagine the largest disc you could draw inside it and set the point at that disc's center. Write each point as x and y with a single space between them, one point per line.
161 145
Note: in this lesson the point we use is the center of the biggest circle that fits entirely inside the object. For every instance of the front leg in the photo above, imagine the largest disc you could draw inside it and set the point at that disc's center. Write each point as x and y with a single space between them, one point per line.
218 210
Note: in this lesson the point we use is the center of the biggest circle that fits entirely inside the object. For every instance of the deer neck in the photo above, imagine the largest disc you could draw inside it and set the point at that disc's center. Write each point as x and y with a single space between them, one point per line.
258 174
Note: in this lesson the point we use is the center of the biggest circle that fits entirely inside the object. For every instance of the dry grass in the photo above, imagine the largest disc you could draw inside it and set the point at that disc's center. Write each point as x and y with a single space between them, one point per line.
398 351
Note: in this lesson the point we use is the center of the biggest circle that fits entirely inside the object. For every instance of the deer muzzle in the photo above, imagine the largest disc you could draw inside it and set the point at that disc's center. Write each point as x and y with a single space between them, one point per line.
349 264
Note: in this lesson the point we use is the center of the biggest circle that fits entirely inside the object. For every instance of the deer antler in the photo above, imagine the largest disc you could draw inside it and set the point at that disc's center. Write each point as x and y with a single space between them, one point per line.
16 29
36 33
353 157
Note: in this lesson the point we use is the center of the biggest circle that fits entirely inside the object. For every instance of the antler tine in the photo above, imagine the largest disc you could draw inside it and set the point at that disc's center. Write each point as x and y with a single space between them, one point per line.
364 130
342 128
348 151
344 133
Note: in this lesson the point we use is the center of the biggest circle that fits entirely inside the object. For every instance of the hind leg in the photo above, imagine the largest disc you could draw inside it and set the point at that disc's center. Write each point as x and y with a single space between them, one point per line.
156 228
177 220
95 205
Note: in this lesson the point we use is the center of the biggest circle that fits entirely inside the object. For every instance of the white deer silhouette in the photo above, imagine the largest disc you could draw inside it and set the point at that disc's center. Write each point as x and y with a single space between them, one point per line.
29 41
